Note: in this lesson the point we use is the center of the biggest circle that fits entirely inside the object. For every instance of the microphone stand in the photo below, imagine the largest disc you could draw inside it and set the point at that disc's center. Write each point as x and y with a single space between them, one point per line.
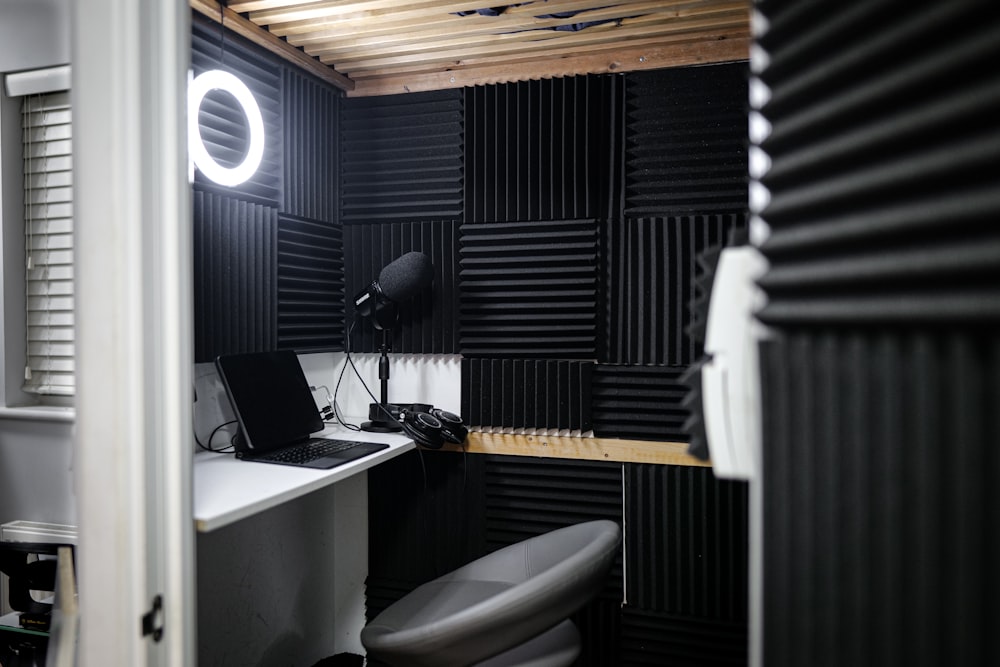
379 413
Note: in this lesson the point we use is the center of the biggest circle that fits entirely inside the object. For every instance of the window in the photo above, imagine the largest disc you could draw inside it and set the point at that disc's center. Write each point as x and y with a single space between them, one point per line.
37 259
48 243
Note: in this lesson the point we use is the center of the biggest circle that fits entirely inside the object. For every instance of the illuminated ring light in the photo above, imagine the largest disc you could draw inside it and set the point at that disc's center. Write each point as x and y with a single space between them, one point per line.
219 80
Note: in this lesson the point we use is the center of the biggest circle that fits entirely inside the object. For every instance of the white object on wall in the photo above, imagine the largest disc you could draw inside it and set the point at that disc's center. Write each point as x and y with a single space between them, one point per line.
201 158
731 378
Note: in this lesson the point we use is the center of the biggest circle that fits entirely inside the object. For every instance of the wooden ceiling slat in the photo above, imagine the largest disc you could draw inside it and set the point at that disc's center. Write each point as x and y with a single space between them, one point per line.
345 51
463 29
607 34
294 13
375 10
699 49
243 6
360 32
556 56
392 46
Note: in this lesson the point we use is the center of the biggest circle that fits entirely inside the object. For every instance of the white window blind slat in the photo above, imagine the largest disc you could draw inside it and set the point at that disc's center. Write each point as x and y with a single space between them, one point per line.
52 319
48 211
56 225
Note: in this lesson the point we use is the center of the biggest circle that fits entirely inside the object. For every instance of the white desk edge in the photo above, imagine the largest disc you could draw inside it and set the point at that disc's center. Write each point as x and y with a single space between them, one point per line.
227 489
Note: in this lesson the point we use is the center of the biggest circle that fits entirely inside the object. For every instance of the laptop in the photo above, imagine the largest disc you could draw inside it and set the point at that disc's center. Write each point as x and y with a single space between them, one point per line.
277 414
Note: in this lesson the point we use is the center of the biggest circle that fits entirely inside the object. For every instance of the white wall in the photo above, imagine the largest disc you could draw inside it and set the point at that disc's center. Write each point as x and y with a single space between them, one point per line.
34 33
35 454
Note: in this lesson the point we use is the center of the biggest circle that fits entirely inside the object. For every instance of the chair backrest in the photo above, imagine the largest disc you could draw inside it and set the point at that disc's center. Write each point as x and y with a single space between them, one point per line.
498 601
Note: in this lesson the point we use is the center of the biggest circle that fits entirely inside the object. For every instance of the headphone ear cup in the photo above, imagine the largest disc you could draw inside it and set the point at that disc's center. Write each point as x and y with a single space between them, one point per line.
453 430
423 427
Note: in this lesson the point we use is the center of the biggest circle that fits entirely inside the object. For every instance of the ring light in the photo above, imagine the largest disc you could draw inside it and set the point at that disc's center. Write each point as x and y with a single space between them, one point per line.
200 86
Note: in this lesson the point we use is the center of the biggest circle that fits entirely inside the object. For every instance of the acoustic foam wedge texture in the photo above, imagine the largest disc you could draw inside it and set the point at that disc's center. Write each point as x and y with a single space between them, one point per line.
527 395
235 276
529 290
310 298
401 158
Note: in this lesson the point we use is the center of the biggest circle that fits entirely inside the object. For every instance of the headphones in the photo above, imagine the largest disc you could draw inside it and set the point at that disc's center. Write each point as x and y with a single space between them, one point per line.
430 427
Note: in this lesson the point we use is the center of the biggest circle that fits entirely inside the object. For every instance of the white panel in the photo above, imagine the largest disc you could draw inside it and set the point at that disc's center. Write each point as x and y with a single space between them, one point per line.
266 584
414 378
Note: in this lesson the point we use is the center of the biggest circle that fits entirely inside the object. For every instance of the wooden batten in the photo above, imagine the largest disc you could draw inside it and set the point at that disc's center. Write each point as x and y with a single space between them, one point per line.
703 50
589 449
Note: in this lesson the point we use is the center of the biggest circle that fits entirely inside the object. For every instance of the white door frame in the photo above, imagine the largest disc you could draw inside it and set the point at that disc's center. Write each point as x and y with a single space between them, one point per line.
132 446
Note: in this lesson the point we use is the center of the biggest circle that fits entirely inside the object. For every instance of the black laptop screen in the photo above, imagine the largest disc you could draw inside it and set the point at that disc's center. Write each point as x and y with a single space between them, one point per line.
270 396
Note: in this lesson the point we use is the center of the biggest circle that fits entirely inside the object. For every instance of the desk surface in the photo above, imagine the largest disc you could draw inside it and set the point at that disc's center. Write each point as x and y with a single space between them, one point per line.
227 489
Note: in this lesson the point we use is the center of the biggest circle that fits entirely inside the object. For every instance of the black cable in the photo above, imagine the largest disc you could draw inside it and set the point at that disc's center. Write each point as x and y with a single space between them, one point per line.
336 390
208 447
347 351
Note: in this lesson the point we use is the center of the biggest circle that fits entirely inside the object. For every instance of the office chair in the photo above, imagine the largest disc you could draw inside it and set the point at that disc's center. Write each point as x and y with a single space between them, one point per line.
510 607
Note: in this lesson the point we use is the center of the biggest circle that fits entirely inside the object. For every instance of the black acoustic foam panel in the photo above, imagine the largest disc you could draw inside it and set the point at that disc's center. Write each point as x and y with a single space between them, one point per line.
401 158
543 150
310 285
687 564
884 211
223 125
656 639
639 402
311 112
650 270
686 141
688 553
429 321
530 290
882 376
527 394
881 498
235 276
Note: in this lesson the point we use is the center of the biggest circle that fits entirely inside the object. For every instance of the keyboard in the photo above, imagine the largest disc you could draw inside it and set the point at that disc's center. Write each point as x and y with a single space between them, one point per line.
310 450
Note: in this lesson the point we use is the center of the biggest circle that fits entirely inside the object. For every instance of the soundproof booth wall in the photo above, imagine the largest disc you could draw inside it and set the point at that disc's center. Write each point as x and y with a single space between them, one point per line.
563 219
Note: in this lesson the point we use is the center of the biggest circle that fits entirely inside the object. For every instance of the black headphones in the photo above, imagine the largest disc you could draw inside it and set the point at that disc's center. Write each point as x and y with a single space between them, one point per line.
432 427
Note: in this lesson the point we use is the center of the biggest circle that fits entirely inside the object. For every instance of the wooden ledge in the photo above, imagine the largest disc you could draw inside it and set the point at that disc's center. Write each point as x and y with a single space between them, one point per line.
588 449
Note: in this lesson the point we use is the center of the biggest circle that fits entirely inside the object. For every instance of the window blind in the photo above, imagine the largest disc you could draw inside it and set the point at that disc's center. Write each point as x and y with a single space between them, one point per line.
48 217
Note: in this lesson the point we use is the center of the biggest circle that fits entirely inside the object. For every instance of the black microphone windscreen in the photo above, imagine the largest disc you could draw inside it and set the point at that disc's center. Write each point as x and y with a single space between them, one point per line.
406 276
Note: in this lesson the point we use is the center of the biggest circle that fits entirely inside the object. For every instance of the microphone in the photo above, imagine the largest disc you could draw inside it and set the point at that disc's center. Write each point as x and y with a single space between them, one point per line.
401 279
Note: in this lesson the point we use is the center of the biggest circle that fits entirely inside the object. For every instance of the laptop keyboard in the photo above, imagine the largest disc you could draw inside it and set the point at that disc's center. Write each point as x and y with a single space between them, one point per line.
310 450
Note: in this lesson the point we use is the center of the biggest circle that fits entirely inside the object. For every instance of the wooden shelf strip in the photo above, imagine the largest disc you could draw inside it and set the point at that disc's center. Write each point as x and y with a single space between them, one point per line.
591 449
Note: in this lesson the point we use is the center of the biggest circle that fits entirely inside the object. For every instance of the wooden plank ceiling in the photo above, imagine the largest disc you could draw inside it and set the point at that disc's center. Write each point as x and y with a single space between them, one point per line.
386 46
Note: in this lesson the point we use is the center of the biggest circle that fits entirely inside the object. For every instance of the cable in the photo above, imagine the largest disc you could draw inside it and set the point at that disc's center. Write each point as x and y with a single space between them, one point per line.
208 447
347 352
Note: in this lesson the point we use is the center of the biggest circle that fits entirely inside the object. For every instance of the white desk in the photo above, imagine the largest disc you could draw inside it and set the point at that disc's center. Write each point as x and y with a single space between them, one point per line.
227 489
